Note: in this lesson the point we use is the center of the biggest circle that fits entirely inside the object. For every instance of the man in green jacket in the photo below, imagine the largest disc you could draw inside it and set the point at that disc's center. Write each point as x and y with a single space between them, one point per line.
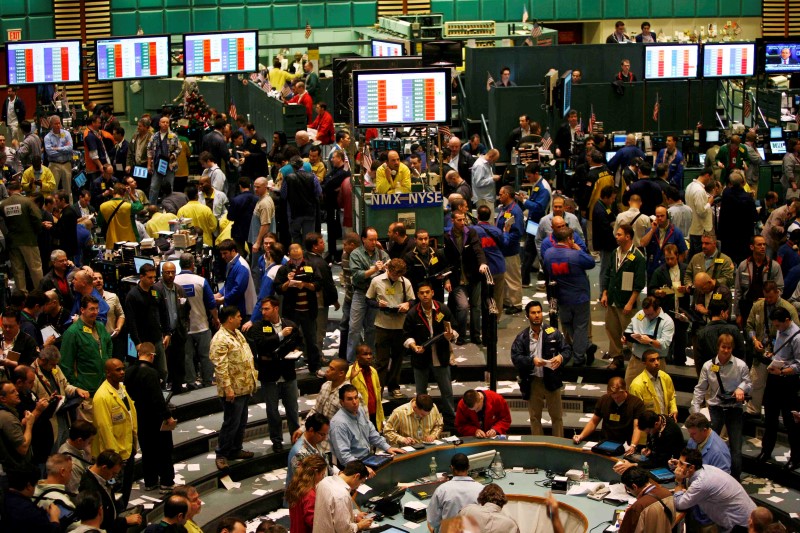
731 156
23 221
624 280
85 347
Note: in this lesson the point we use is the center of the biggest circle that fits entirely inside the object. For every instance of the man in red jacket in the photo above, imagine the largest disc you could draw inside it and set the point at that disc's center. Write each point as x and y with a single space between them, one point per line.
483 414
324 125
303 98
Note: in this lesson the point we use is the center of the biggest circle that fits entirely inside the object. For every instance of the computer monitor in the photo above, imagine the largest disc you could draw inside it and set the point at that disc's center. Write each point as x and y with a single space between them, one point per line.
775 132
139 262
712 136
478 462
619 140
609 155
702 159
777 147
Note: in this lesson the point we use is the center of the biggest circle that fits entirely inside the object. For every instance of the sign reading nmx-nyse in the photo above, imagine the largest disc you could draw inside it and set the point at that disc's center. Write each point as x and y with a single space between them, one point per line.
405 200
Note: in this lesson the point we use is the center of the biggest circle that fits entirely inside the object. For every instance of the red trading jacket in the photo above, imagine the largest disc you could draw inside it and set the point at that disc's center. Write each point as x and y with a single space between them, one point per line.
497 416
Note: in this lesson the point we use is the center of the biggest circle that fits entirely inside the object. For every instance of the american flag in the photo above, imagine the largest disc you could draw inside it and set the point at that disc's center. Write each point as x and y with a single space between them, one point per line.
656 107
579 129
536 30
747 106
445 131
366 160
489 80
254 77
525 14
592 119
58 95
308 30
232 110
547 141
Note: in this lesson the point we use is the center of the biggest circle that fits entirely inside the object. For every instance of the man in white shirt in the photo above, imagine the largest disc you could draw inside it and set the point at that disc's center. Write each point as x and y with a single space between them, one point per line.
700 202
58 146
13 113
212 170
333 507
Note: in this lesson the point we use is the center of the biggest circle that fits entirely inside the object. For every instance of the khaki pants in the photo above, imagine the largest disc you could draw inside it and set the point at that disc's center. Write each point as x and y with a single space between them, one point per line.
758 377
513 282
487 203
635 367
22 256
63 174
536 404
616 322
498 290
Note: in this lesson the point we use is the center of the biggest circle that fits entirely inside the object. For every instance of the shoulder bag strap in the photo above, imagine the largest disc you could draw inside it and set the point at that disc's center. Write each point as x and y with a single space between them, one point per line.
114 213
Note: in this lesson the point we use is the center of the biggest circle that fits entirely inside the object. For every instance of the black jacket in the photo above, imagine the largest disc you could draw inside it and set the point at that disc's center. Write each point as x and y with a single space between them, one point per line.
214 142
304 272
564 141
65 237
421 267
240 212
553 344
19 109
183 311
146 313
270 350
143 385
665 445
416 327
470 253
301 196
399 251
21 514
660 279
111 522
329 293
603 227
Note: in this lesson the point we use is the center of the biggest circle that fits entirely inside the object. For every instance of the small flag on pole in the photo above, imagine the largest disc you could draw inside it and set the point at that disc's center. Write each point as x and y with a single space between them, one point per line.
747 106
536 30
308 30
232 110
445 131
592 119
547 141
366 160
656 107
489 81
525 14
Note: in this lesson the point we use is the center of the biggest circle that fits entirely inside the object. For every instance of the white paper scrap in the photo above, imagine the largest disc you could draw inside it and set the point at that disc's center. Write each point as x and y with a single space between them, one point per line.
137 501
148 505
150 498
775 499
408 448
180 466
570 387
412 525
228 483
363 489
260 492
206 431
194 467
515 437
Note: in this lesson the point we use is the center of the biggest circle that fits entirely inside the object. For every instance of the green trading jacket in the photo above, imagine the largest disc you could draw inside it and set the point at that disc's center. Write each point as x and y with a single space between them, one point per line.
83 359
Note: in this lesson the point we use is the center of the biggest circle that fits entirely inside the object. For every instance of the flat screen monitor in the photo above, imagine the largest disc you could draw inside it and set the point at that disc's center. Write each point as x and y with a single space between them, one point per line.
775 132
34 62
619 140
566 92
139 262
781 57
760 150
442 54
712 136
777 147
404 97
669 62
481 461
132 352
729 60
702 159
132 58
609 155
387 48
220 53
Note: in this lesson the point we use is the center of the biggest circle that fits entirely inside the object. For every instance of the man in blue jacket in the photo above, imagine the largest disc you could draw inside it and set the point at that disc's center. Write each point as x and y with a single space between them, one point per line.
673 158
492 240
537 205
239 289
510 222
566 264
538 353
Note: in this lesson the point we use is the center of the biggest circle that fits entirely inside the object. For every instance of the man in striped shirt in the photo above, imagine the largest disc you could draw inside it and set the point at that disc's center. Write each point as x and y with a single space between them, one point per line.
328 398
416 422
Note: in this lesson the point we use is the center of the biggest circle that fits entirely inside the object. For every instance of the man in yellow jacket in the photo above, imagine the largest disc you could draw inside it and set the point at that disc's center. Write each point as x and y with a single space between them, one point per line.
203 218
654 387
393 176
114 417
38 178
116 215
362 373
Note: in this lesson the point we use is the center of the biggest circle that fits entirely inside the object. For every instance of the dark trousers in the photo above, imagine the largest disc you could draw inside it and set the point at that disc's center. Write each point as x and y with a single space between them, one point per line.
780 398
334 231
176 361
390 351
465 304
308 324
234 421
286 392
528 257
733 419
125 480
695 242
156 448
344 329
679 342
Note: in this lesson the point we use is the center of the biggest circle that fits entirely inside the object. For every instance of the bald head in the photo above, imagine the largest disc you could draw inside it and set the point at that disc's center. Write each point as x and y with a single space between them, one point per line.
630 140
703 282
558 222
453 178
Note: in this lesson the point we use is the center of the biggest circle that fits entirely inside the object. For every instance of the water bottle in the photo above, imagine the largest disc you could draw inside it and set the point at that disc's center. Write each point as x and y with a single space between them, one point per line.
585 476
497 466
433 467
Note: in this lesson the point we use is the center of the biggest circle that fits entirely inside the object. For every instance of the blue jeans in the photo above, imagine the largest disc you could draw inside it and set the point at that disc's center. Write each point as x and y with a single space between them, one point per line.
199 345
300 226
155 184
733 419
442 376
575 321
362 322
234 421
465 303
285 391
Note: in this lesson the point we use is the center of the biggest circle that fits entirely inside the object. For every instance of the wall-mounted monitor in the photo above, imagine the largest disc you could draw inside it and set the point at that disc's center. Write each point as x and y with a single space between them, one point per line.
671 61
775 132
401 97
34 62
387 48
566 93
777 147
206 54
132 58
780 56
729 60
442 54
712 136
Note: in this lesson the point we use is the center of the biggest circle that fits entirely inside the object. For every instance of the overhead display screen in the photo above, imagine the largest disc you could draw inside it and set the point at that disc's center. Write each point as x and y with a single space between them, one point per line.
387 48
667 62
220 53
729 60
401 97
130 58
782 57
32 62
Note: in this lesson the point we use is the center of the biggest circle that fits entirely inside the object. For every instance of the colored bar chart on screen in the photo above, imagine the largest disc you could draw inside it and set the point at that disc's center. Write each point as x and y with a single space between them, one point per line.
220 53
728 60
664 62
128 58
401 97
43 62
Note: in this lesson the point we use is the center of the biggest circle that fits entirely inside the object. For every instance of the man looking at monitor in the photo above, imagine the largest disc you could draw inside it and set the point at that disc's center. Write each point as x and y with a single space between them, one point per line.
449 498
619 412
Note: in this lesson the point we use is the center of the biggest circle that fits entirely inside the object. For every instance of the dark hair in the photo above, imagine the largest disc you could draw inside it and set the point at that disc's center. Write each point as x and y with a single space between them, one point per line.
19 478
645 23
607 191
532 168
341 134
647 420
89 299
317 421
627 229
366 230
235 134
471 398
226 312
219 123
717 307
272 300
651 302
229 522
175 505
34 298
780 314
356 467
563 234
532 303
597 156
492 493
646 168
228 245
108 459
344 389
81 429
191 192
311 240
206 156
145 269
618 23
424 284
424 402
460 463
484 213
635 476
697 420
322 104
87 504
505 69
661 170
693 458
25 126
673 193
315 148
120 130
